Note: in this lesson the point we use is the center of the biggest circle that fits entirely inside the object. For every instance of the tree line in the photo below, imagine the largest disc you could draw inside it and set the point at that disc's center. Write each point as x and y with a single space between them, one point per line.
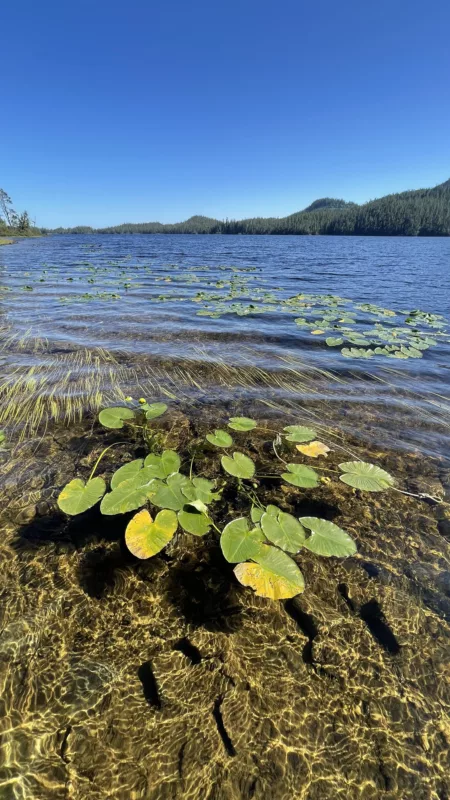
12 221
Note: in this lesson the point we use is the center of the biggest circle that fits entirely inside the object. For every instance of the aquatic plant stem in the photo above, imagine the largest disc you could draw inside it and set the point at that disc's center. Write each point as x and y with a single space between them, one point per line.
101 456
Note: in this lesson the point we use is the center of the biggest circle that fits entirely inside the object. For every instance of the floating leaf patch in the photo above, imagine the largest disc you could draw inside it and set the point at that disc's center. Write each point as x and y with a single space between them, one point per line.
275 575
314 449
77 496
327 539
240 466
154 410
367 477
146 537
220 438
242 423
161 466
301 475
299 433
115 417
238 543
169 494
284 530
128 495
127 471
194 521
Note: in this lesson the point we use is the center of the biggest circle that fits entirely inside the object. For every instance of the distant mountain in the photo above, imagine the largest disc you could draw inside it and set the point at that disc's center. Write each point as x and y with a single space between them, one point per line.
421 212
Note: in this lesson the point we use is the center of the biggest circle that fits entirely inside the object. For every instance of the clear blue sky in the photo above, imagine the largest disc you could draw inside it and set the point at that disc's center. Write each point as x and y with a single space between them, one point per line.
141 110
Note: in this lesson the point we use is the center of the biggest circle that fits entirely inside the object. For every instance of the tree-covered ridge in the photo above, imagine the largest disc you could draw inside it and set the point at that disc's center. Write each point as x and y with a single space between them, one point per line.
11 221
422 212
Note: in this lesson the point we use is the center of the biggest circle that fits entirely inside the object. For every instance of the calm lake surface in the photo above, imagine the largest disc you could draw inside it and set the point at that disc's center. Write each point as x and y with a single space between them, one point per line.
165 678
128 301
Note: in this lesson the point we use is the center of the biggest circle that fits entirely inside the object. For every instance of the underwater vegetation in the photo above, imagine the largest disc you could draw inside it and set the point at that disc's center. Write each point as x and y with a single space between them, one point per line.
261 543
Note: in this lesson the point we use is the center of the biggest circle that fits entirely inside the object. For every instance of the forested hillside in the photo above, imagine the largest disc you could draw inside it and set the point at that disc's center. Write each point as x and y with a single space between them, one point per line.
423 212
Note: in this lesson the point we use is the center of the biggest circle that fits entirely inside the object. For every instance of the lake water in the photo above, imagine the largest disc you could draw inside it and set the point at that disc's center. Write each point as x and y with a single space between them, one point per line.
166 679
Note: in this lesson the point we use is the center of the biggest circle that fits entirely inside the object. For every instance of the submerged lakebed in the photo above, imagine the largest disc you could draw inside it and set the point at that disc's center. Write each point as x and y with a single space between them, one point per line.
165 677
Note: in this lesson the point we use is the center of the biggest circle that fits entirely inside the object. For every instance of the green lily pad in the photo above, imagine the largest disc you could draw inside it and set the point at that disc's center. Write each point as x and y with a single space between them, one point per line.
301 475
169 494
367 477
327 539
200 489
77 496
238 543
154 410
194 520
128 495
299 433
256 514
240 466
242 423
220 438
146 537
275 575
284 530
127 471
334 341
115 417
161 466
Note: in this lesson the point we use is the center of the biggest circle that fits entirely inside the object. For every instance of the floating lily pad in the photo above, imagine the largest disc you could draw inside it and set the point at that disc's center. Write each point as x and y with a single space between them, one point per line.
146 537
220 438
115 417
242 423
240 466
284 530
194 520
367 477
314 449
256 514
154 410
128 496
299 433
334 341
238 543
126 472
275 575
169 494
200 489
161 466
77 496
301 475
327 539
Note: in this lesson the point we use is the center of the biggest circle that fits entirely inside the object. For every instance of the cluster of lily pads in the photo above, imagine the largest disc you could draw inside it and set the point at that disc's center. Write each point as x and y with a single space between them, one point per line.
165 499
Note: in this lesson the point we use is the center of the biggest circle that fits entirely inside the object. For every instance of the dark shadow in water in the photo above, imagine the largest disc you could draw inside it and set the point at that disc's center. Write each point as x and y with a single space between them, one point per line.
315 508
204 592
307 625
371 613
70 533
149 685
224 735
98 568
343 591
189 650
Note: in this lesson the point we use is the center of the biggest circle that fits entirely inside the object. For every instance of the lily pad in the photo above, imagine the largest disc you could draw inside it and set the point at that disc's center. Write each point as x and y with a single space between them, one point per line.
115 417
146 537
169 494
154 410
240 466
284 530
77 496
242 423
256 514
200 489
129 470
301 475
275 575
220 438
327 539
238 543
367 477
128 495
299 433
161 466
334 341
194 520
314 449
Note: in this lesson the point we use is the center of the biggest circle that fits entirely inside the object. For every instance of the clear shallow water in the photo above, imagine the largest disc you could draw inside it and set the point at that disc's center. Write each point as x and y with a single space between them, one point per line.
87 316
165 679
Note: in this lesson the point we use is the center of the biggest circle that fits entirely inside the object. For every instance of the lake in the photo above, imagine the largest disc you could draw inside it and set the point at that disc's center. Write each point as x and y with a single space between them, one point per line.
165 678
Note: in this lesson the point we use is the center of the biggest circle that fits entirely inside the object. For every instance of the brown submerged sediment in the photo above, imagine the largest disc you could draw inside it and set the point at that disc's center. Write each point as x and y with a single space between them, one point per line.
166 679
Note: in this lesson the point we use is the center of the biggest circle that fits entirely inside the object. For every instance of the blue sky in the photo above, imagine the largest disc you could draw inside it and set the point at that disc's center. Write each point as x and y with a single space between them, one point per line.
140 111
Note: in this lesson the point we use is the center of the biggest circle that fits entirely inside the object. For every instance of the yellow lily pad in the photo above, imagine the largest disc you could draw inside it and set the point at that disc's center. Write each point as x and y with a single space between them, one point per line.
314 449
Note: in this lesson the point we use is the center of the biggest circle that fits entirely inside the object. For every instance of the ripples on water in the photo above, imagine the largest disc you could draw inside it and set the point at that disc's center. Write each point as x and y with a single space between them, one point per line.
164 679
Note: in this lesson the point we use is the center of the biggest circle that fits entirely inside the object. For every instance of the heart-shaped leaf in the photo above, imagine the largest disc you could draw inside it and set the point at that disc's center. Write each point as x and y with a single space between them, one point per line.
77 496
256 514
298 433
194 520
154 410
284 530
169 494
368 477
128 495
127 471
161 466
115 417
301 475
314 449
146 537
334 341
238 543
220 438
275 575
240 466
242 423
200 489
327 539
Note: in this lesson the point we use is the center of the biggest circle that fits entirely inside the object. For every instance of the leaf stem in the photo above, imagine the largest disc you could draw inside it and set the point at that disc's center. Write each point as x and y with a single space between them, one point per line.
101 456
